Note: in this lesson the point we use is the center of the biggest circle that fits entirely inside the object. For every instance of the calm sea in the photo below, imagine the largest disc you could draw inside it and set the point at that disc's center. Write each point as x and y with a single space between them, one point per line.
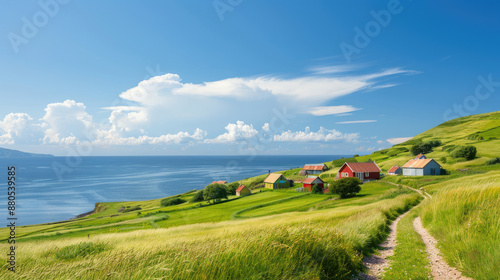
59 188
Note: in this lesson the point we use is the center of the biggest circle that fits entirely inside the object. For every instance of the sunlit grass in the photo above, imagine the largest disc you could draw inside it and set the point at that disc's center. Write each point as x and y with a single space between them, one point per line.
464 216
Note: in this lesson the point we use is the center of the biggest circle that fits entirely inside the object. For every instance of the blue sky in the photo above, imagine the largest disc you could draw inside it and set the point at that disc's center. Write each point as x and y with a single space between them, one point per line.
240 77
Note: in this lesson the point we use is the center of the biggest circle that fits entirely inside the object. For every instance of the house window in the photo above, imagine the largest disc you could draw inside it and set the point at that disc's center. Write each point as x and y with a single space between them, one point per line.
433 171
345 174
367 174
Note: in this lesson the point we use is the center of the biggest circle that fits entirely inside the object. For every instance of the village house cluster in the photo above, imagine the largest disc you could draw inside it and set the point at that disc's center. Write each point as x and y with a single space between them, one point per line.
365 171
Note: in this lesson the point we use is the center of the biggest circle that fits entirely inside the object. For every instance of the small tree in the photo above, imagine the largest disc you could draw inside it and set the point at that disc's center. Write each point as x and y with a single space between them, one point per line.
316 189
231 188
198 197
346 187
214 193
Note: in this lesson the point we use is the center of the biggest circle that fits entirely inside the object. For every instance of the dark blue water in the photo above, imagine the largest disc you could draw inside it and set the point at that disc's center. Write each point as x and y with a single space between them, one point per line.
55 189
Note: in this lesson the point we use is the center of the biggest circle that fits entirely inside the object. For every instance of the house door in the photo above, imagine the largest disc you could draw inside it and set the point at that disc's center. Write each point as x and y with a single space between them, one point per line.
360 175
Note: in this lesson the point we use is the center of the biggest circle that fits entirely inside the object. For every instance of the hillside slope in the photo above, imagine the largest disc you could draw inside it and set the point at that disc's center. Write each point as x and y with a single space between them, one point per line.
481 131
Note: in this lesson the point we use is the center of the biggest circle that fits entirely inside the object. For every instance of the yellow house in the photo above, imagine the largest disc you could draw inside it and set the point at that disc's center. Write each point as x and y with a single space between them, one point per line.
243 191
276 181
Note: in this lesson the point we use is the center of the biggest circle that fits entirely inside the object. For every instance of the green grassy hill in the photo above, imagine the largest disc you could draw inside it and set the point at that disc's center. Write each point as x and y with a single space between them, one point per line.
283 234
481 131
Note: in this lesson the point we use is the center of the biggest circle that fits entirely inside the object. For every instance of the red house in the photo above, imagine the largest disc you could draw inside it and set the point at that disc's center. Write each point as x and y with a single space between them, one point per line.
363 170
308 183
219 182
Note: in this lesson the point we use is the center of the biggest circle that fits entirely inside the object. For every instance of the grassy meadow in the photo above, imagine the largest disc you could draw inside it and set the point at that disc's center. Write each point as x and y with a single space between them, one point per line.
464 216
326 243
284 234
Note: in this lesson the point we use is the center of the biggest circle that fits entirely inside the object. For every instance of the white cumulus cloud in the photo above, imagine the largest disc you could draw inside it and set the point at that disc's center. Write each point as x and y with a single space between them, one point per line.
66 123
235 132
16 126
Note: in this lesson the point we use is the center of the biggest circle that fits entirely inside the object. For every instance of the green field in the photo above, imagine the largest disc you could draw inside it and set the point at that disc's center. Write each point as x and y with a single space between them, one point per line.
284 234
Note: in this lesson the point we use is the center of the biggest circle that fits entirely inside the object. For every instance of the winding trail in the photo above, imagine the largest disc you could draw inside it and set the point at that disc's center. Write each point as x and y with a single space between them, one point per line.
440 270
376 264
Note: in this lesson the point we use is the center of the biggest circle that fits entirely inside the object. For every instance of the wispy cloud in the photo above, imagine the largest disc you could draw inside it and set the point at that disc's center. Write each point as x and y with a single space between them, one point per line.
334 69
322 135
361 121
332 110
398 140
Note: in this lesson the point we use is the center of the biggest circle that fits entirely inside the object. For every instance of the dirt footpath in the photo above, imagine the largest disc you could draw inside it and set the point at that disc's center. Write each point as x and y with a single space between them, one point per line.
440 270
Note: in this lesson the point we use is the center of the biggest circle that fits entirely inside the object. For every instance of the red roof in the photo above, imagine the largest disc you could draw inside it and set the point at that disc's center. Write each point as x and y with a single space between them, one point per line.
359 167
311 180
240 188
313 167
219 182
420 156
393 169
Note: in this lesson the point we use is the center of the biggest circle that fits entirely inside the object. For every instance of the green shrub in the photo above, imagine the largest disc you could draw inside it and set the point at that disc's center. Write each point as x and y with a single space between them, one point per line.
171 201
130 209
467 152
316 189
493 161
424 147
198 197
346 187
443 159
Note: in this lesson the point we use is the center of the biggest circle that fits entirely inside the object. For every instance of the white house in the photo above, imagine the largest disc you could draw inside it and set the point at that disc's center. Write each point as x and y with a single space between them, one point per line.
421 167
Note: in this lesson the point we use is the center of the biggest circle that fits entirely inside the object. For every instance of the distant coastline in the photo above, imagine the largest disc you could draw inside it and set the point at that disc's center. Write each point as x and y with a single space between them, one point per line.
8 153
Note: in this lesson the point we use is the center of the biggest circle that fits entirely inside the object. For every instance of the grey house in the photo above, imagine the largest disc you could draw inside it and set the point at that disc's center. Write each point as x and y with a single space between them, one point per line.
421 167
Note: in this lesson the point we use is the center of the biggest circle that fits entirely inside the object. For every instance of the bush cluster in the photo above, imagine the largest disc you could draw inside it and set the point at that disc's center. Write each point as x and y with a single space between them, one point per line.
171 201
493 161
346 187
130 209
467 152
198 197
424 147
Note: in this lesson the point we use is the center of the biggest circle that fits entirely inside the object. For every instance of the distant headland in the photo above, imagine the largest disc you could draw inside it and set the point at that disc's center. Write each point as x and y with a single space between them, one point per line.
8 153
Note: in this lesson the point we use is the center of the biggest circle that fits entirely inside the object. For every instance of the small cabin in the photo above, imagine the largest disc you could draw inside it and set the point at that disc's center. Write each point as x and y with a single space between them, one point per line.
276 181
395 170
242 190
310 169
365 171
308 183
421 167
